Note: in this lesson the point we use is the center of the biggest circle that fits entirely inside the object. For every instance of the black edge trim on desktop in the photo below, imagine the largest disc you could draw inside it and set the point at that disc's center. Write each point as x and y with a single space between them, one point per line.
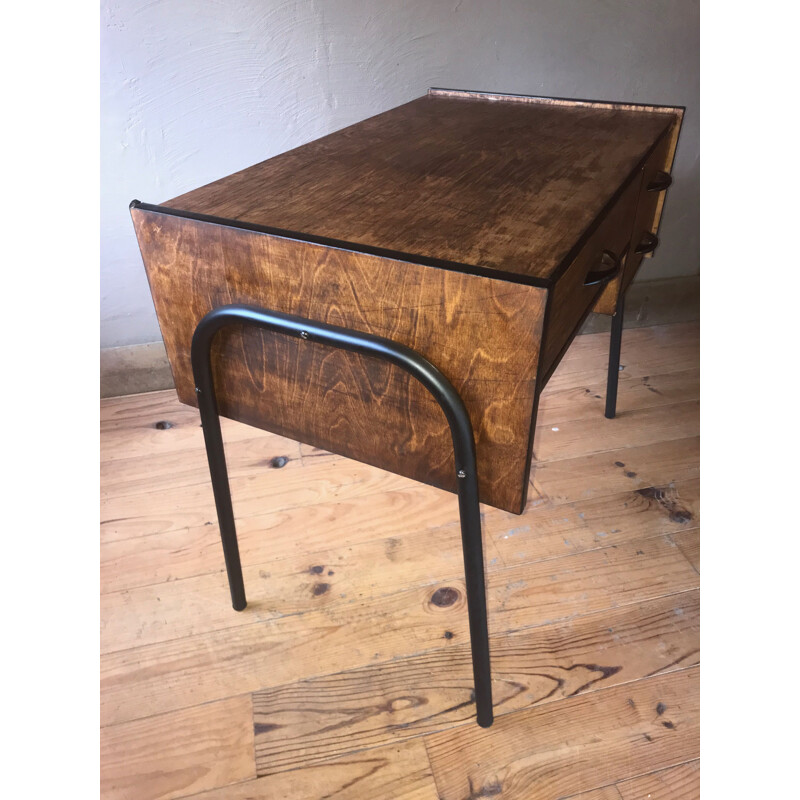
425 261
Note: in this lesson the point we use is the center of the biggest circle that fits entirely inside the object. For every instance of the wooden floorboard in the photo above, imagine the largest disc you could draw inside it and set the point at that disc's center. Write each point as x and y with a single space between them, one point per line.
175 673
397 772
561 748
602 473
309 722
172 755
681 782
689 544
350 667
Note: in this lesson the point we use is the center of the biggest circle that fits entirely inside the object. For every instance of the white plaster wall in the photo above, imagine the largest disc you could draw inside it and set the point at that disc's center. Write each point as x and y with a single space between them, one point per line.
192 90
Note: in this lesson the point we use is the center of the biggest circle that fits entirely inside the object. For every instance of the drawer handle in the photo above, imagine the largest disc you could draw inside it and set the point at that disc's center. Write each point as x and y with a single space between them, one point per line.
647 245
661 181
603 275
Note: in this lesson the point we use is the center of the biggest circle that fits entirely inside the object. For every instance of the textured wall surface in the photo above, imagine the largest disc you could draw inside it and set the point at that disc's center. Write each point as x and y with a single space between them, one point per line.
192 90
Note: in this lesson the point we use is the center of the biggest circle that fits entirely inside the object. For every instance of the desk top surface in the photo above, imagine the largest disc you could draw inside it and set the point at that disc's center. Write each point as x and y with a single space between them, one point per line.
500 185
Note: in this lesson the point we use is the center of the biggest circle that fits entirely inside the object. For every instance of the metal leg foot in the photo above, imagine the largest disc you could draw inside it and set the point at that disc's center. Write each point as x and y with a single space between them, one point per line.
613 358
472 545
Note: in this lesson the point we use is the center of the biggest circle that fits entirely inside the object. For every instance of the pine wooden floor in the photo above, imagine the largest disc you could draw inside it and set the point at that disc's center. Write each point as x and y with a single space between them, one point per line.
348 675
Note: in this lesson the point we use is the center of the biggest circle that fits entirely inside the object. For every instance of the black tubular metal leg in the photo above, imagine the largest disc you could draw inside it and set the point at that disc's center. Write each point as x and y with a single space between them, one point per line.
431 378
613 358
215 450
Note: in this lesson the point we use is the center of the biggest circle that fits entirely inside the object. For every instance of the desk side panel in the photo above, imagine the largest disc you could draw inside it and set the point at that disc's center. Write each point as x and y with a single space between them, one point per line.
483 334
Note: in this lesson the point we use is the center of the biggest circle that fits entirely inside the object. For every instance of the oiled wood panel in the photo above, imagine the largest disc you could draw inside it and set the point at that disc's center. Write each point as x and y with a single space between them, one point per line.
313 721
176 754
484 335
681 782
490 186
563 748
396 772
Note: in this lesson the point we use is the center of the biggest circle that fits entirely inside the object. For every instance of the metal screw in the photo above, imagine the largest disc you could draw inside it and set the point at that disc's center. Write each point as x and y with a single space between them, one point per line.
197 389
462 474
304 334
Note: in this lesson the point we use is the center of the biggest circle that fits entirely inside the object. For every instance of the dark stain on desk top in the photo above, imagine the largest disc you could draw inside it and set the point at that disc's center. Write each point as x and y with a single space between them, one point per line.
462 178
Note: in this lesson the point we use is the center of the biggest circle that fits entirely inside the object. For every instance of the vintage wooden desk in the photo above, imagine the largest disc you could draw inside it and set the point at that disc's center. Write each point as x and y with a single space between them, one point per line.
365 284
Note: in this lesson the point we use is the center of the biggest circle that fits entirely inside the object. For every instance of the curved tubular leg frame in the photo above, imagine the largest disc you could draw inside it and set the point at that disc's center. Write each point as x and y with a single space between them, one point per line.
444 394
613 358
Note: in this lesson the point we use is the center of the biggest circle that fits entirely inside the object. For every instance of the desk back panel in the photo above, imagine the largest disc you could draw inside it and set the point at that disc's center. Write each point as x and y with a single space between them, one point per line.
482 333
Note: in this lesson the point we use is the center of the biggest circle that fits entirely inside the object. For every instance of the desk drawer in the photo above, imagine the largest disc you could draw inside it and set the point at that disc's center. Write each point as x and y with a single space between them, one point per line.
577 289
644 241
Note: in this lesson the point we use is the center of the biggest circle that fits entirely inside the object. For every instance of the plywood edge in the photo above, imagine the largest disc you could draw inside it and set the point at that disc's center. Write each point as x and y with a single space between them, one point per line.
139 219
555 101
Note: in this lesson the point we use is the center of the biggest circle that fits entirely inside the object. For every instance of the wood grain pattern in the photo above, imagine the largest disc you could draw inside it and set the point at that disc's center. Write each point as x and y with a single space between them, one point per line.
329 501
604 793
309 581
655 424
313 721
689 544
570 300
491 186
180 552
483 335
596 475
681 782
552 531
648 351
560 749
165 757
346 676
559 530
648 213
585 399
449 180
180 672
397 772
126 516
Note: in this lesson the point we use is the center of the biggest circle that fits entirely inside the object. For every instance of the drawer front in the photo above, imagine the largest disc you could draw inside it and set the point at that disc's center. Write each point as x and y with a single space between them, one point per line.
576 291
644 241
